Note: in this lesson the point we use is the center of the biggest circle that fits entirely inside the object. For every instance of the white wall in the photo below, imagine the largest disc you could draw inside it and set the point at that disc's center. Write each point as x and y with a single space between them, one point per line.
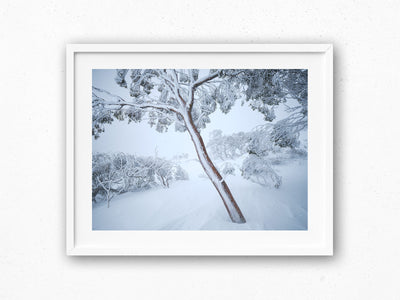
365 35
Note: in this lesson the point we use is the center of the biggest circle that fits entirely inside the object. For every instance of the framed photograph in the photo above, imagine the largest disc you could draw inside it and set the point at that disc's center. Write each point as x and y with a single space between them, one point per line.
199 149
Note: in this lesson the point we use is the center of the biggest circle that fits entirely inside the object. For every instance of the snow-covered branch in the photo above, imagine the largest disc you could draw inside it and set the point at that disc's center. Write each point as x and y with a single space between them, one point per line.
204 79
196 84
120 102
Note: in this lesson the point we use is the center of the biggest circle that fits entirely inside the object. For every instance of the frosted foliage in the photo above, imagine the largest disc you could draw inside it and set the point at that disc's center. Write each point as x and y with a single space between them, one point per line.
120 77
203 108
228 169
259 170
118 173
266 89
104 111
171 92
261 149
226 95
227 146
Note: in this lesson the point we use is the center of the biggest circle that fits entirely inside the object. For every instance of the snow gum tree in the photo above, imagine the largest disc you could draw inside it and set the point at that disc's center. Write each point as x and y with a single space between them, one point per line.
186 98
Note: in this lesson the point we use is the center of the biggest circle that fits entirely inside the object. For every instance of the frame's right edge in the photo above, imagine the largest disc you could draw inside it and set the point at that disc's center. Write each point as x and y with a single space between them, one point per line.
329 149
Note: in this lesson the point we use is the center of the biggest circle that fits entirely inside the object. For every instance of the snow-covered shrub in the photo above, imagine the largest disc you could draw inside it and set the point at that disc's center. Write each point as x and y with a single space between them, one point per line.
260 171
107 176
117 173
180 173
167 171
262 148
228 169
181 156
226 147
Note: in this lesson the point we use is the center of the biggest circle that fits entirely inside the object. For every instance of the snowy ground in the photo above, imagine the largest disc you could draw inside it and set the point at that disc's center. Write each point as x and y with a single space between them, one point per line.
195 204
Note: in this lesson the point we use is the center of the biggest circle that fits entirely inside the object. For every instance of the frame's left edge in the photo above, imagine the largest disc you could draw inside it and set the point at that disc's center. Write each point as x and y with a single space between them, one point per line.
70 159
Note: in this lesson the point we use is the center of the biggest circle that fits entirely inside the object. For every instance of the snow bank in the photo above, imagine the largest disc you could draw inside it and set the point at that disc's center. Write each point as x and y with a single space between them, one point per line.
196 205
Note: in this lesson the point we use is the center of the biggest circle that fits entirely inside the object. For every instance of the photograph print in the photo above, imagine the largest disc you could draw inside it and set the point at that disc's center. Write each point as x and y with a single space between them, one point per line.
199 149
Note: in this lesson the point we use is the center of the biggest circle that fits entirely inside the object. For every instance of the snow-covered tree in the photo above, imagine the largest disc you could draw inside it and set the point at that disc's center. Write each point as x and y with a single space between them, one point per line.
255 147
186 98
228 169
259 150
117 173
226 147
167 171
107 176
259 170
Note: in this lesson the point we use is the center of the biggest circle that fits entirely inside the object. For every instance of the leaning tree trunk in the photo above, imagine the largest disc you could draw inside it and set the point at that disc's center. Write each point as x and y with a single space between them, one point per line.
223 190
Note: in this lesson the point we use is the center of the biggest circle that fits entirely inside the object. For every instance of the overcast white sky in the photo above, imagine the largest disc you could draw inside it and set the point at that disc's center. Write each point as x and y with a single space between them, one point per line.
141 139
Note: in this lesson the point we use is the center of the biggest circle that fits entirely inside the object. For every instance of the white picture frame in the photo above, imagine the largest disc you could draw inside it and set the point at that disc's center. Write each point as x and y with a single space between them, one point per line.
317 240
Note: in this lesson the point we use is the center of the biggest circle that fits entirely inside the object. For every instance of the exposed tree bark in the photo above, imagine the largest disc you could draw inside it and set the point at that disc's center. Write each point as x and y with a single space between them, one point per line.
219 183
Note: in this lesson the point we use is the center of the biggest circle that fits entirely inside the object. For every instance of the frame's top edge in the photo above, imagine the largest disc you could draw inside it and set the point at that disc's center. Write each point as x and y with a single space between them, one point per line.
199 47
